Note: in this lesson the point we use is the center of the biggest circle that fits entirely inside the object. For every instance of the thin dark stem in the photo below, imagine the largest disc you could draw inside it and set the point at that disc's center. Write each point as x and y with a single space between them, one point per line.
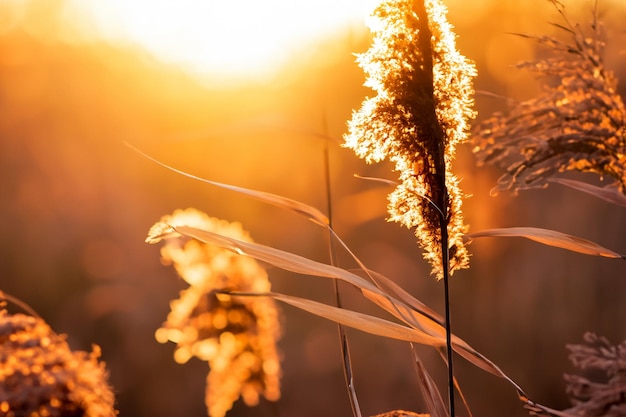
446 278
343 339
433 131
21 304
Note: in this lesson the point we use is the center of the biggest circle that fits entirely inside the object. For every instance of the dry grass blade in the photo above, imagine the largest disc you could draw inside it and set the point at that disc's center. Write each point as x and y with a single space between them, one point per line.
310 212
610 194
421 324
428 388
360 321
390 287
21 304
457 386
375 179
400 413
299 264
543 411
551 238
284 260
427 324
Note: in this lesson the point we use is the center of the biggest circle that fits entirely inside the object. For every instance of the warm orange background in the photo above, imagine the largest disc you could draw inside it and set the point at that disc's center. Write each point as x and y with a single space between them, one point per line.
76 204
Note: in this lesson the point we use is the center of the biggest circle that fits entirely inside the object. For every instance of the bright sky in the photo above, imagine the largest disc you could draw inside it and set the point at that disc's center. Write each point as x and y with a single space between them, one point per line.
234 38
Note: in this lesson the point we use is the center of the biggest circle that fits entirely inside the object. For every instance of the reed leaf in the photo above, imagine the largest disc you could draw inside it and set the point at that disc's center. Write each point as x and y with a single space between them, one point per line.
360 321
306 210
390 287
427 324
609 193
282 259
428 388
551 238
299 264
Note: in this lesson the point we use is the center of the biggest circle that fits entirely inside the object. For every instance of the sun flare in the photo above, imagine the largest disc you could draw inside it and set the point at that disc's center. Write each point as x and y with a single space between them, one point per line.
234 39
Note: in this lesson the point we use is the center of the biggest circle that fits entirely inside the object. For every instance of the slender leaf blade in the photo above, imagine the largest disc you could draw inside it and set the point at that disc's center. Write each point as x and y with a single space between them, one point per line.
551 238
390 287
295 263
429 326
428 388
282 259
276 200
360 321
610 194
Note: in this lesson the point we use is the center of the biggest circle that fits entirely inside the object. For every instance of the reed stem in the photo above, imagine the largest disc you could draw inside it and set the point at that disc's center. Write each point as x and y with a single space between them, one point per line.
343 339
446 289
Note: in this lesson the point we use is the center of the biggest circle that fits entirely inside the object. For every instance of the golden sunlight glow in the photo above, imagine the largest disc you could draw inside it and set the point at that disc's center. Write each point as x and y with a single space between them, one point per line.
236 39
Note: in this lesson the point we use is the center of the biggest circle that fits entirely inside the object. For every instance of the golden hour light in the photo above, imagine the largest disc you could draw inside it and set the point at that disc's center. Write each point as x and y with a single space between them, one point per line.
355 208
229 39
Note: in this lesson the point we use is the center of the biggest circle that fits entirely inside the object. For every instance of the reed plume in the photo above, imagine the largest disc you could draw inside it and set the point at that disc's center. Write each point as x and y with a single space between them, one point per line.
593 398
41 376
420 114
577 123
236 335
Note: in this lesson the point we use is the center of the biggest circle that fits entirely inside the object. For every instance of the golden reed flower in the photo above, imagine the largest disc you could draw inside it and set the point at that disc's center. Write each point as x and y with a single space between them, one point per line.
420 114
577 123
41 376
236 335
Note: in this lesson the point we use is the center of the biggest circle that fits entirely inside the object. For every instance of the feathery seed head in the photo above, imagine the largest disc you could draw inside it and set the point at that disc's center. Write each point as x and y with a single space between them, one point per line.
577 123
236 335
40 375
420 114
595 398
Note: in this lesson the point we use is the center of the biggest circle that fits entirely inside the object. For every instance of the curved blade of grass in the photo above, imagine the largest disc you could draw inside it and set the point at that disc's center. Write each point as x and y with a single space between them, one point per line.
551 238
310 212
343 337
442 354
360 321
388 286
285 260
376 179
610 194
541 410
19 303
306 210
426 324
299 264
428 388
354 319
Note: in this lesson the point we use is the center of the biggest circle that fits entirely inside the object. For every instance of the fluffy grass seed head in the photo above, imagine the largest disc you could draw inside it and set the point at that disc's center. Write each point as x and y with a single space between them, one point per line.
420 114
237 336
41 376
577 123
594 398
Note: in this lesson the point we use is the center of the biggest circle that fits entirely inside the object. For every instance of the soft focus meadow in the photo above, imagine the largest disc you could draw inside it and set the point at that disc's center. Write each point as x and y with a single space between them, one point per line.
78 202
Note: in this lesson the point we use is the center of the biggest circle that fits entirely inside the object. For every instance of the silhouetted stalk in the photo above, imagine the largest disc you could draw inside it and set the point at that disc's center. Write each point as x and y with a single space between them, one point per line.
432 127
343 339
446 275
420 114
